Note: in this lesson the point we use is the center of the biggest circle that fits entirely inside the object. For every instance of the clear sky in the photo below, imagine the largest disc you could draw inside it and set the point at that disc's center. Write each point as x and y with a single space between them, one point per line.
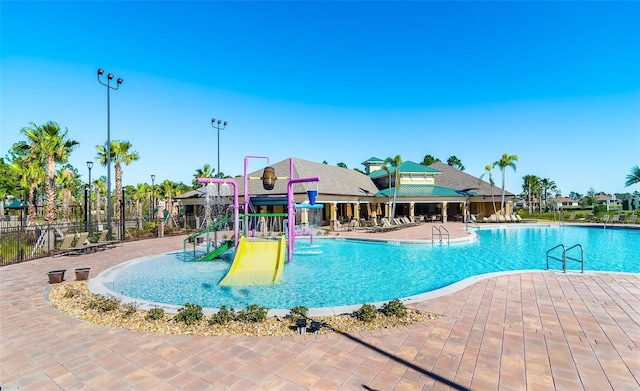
555 83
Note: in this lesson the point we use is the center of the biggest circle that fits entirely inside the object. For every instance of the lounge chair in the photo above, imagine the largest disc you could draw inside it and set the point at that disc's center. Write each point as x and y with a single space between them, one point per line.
615 219
605 219
507 218
572 217
82 245
102 240
622 218
633 218
66 244
589 218
501 218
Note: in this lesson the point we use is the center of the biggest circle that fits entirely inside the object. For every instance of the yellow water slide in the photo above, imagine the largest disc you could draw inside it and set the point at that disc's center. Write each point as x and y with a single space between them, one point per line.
257 262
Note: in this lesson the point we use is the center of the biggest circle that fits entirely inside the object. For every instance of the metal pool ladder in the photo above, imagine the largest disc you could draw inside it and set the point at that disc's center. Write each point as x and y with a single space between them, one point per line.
439 230
566 257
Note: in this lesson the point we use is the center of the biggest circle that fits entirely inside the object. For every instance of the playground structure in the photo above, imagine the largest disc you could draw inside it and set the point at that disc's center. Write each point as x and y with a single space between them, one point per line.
260 260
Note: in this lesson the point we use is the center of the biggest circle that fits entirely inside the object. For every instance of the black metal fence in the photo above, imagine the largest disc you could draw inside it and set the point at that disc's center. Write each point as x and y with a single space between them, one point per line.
19 242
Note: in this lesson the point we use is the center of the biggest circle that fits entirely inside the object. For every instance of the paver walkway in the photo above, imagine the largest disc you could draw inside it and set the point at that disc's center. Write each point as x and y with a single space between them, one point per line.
536 331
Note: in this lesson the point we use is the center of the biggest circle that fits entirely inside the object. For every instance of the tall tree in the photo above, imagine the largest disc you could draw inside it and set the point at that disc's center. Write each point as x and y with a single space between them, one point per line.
547 186
99 187
394 163
633 177
49 144
505 161
205 172
341 165
68 182
492 183
429 160
31 176
454 162
531 184
121 153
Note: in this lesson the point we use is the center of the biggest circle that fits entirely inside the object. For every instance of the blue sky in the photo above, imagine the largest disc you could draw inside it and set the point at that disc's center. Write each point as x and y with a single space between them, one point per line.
555 83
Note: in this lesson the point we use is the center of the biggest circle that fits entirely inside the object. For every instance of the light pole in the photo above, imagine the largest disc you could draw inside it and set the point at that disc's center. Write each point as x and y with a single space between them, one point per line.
219 125
89 165
153 197
109 88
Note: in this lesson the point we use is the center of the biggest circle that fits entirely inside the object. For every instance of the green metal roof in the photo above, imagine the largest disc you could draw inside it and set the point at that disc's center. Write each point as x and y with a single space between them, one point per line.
373 160
409 166
405 167
424 191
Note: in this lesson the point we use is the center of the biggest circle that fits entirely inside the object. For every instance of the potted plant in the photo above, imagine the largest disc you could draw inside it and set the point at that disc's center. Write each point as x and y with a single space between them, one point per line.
56 276
82 273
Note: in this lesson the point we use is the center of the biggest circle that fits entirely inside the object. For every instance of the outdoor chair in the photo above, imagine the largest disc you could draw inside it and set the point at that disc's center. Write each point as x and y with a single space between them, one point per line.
66 244
572 217
633 218
622 218
102 240
605 219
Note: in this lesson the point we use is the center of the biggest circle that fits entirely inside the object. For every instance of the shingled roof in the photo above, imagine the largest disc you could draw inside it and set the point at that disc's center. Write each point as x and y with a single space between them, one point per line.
333 179
459 180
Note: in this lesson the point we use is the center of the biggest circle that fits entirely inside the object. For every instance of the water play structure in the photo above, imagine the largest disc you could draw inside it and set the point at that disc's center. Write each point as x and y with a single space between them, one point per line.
262 247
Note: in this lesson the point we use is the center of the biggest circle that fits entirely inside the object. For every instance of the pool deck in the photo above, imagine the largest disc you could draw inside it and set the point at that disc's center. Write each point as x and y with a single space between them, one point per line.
531 330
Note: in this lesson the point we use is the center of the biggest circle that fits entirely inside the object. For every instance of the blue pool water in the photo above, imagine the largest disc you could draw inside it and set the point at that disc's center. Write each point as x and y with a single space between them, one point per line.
333 273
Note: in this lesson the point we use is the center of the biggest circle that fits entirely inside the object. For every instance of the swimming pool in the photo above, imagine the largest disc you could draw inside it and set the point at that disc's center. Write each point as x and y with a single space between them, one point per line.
334 273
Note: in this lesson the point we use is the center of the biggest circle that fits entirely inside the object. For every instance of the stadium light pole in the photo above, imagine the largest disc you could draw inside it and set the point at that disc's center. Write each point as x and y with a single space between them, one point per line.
109 88
219 125
89 166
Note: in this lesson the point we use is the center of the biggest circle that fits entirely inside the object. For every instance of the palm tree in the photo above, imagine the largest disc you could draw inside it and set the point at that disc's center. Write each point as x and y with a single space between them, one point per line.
139 193
99 186
547 185
634 177
454 162
65 179
395 164
505 161
49 144
120 153
31 175
530 186
168 190
205 172
492 183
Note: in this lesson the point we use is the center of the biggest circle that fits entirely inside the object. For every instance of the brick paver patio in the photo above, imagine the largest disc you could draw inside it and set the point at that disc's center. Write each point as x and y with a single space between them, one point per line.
533 330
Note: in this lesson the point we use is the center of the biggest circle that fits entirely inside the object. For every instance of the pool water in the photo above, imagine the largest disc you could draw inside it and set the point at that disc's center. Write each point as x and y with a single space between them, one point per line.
330 273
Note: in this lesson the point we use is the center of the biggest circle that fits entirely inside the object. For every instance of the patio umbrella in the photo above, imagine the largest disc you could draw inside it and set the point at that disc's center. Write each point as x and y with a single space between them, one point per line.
378 209
349 213
368 210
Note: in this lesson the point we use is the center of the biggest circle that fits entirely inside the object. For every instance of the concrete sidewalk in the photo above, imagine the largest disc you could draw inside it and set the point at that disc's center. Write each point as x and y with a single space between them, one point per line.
537 331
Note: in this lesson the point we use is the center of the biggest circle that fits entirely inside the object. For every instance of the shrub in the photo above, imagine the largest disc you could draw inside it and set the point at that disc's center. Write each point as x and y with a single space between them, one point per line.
366 313
189 314
298 312
253 313
155 314
103 304
70 292
128 309
223 315
394 308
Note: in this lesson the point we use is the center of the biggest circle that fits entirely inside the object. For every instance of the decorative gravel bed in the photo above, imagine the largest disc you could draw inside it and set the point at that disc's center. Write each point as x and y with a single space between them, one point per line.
73 299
